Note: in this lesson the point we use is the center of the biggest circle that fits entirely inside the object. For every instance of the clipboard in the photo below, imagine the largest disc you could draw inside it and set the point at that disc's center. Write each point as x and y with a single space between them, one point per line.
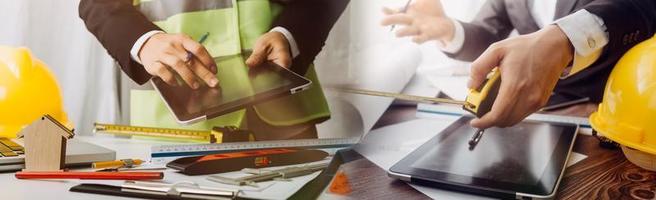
154 190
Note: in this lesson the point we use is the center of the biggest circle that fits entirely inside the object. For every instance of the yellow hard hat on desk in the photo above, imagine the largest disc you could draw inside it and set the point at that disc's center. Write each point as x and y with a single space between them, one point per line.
28 90
627 113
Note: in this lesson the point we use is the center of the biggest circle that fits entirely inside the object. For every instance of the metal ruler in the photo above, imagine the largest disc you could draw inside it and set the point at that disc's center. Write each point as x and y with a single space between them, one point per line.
428 110
124 130
161 151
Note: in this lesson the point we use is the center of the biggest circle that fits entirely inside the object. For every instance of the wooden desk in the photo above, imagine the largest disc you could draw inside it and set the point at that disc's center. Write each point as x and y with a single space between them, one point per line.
604 174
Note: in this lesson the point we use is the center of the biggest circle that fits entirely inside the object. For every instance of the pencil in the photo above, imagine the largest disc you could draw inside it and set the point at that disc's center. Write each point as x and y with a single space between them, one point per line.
91 175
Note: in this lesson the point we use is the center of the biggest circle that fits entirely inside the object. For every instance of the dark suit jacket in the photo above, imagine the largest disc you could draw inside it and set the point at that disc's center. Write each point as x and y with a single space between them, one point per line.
118 24
628 22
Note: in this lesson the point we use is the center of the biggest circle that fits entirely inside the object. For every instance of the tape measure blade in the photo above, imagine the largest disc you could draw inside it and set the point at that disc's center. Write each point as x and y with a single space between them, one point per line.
406 97
125 130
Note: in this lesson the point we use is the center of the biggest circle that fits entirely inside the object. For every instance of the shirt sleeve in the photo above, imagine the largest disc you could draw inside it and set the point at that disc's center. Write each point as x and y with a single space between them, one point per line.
458 40
136 47
588 36
290 38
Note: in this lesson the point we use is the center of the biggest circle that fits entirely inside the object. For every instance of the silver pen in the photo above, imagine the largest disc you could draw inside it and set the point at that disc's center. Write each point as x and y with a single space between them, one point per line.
478 134
266 175
405 8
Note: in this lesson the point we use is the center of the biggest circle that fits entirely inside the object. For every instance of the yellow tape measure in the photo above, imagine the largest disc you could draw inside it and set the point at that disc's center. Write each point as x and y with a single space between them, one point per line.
478 102
216 135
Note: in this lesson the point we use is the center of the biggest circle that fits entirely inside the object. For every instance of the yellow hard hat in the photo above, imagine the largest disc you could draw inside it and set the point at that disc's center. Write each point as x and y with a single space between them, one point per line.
28 90
627 113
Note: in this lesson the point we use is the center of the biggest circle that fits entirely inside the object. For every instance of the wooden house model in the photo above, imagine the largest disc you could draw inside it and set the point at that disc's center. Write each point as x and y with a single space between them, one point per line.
45 144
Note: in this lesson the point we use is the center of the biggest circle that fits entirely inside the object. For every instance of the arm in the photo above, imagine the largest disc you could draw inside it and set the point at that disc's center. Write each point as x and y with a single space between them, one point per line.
117 25
589 34
426 20
628 22
490 25
531 64
309 21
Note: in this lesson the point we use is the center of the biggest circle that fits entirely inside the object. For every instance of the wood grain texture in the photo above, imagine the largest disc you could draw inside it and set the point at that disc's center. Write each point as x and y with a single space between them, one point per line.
368 181
605 174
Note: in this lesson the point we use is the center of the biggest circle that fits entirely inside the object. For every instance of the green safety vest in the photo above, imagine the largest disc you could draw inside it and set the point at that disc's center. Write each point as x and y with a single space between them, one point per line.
234 26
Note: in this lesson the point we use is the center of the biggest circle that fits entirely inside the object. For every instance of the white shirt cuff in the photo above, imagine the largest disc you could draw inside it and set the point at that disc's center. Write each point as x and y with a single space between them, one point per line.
136 47
458 40
292 43
587 33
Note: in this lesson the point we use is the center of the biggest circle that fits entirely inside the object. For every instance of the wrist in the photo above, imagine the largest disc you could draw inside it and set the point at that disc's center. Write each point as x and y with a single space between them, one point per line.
146 43
289 39
447 25
283 40
561 43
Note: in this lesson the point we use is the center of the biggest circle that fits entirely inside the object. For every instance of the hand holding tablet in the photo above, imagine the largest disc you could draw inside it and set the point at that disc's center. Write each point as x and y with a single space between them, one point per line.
240 87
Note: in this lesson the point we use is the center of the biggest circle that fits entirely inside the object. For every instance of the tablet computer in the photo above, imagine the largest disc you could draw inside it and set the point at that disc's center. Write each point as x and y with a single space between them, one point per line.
239 87
525 161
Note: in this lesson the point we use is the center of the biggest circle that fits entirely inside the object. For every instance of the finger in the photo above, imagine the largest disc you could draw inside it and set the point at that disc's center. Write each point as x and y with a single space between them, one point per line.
282 57
258 56
180 67
483 65
420 39
390 11
205 74
397 19
407 31
176 48
200 53
501 108
164 73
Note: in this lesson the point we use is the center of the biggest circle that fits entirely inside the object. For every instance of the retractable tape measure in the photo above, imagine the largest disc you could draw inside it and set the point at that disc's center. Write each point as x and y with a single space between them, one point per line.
479 101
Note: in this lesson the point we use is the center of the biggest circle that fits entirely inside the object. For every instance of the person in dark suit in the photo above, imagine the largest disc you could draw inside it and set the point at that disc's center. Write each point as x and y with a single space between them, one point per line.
118 25
143 50
550 62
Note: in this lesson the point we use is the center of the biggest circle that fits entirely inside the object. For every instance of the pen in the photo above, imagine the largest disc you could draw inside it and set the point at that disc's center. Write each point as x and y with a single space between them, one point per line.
478 134
405 8
201 40
91 175
129 163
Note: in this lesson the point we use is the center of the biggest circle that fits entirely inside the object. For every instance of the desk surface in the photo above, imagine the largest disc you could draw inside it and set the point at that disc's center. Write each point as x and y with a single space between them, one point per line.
604 174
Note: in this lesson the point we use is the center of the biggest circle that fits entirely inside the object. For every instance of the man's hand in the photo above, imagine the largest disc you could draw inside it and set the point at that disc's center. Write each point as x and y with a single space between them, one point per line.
424 20
165 55
272 46
530 67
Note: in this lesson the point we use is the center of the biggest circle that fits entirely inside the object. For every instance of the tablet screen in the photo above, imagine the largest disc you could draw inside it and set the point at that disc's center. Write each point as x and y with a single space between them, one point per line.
526 158
239 86
518 154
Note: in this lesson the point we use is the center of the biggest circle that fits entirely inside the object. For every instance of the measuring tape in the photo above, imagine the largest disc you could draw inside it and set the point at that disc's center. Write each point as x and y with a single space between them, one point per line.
216 135
479 101
205 149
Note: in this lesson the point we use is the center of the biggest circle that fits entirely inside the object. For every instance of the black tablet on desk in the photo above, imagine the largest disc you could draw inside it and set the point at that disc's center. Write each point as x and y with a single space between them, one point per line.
526 160
238 88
